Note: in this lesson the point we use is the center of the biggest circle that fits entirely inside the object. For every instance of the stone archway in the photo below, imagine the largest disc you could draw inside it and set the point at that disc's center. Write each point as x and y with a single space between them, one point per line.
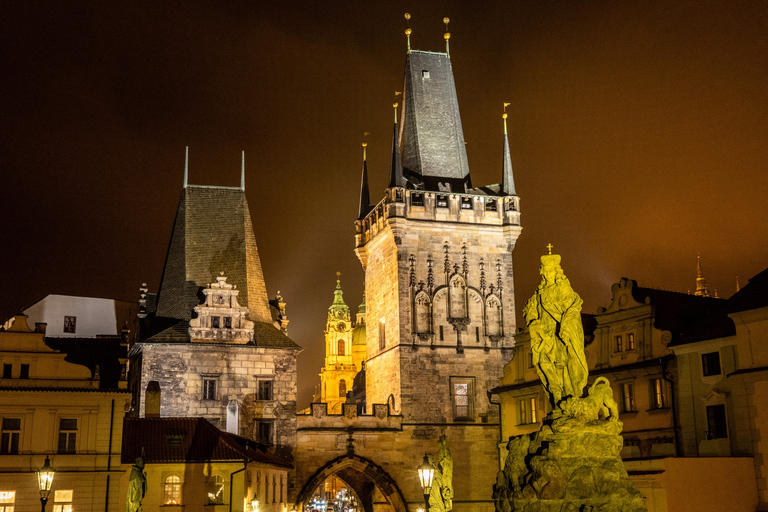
362 475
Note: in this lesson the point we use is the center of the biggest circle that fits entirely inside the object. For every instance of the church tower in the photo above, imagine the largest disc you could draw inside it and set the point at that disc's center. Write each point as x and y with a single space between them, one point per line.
437 255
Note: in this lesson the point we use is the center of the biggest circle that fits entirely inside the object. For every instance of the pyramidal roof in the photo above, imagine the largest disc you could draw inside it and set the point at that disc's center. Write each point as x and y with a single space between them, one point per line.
212 233
431 136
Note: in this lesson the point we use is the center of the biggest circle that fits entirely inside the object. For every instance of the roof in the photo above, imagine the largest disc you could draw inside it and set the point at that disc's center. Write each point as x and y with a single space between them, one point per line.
188 440
177 331
752 296
431 136
213 232
676 312
358 334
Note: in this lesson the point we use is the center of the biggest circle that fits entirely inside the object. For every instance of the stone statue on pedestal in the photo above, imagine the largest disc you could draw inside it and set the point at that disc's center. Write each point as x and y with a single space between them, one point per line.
441 493
573 463
137 486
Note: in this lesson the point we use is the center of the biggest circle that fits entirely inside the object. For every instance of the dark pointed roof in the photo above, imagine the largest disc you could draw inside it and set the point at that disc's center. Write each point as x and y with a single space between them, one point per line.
213 232
396 173
432 139
365 196
507 179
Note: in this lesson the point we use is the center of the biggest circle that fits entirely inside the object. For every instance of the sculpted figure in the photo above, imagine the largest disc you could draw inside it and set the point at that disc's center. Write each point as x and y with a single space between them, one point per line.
441 494
137 486
553 316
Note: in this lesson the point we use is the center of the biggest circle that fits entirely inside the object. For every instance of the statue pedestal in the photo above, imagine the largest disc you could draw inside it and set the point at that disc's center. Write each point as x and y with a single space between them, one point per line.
572 464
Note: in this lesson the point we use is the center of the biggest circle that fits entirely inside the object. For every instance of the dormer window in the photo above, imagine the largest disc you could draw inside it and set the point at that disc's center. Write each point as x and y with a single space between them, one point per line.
424 73
215 322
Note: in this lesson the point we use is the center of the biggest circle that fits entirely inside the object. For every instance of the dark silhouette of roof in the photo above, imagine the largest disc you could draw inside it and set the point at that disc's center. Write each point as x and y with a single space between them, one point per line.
188 440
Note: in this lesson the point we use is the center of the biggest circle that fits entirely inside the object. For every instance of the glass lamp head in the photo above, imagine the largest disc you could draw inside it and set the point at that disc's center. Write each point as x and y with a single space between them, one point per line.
45 479
426 474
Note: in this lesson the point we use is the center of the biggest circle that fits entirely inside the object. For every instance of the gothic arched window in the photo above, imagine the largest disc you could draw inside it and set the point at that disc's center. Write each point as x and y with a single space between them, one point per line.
341 347
342 388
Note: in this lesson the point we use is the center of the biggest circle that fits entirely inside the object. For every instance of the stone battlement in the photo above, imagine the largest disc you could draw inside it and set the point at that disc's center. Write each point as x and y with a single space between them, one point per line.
381 419
451 207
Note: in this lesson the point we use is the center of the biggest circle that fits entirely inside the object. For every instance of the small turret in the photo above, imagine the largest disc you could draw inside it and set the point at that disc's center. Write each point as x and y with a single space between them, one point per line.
365 196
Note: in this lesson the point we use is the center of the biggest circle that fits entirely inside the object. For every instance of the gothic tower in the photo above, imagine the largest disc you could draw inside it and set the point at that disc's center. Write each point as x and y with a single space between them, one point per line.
437 255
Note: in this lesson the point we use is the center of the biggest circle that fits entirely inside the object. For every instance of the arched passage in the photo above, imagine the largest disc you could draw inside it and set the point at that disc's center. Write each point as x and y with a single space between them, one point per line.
363 476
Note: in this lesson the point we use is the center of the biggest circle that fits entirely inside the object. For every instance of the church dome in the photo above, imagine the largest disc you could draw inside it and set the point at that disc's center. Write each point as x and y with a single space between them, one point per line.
358 335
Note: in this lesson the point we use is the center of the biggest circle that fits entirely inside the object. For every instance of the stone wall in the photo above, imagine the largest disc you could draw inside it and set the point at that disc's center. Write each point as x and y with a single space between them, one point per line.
181 368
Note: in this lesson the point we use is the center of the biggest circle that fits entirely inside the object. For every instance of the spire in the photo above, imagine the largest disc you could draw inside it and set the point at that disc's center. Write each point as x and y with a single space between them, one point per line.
396 174
507 180
186 167
701 283
365 196
447 36
337 300
242 173
408 30
339 309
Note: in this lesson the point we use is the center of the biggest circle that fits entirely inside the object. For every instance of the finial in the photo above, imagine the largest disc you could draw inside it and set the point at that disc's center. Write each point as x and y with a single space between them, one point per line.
394 106
408 30
504 117
186 167
242 173
447 36
365 144
549 248
338 280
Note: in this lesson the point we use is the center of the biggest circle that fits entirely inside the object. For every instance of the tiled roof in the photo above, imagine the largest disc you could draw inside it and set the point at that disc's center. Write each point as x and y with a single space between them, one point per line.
187 440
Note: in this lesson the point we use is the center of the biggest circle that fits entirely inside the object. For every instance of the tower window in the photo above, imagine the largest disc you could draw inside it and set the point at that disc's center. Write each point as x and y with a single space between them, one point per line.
265 390
424 73
342 346
462 396
227 322
442 201
209 389
342 388
619 344
417 199
490 205
70 324
265 432
710 363
466 203
382 334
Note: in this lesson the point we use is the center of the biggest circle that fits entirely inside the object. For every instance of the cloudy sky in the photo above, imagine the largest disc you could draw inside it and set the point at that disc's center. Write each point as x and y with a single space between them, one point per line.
638 134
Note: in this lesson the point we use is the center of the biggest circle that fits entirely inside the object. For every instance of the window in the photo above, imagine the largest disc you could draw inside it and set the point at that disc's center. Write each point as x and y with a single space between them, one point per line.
627 397
657 394
215 322
716 425
265 432
7 371
265 390
417 199
527 412
341 347
477 334
227 322
67 435
530 359
70 323
342 388
424 73
7 499
172 490
442 336
710 363
123 371
462 396
630 341
441 201
618 343
216 490
24 373
10 435
466 203
62 501
382 334
274 488
209 389
490 205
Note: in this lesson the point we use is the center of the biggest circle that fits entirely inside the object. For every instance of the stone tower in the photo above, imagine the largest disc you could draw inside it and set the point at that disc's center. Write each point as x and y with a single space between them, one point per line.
437 255
341 361
210 343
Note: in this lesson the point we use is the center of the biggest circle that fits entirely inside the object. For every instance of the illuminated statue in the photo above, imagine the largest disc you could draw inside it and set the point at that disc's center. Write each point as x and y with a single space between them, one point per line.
441 494
137 486
553 316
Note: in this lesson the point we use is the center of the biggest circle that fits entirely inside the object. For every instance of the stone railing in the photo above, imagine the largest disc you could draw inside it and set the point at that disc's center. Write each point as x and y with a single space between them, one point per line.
318 418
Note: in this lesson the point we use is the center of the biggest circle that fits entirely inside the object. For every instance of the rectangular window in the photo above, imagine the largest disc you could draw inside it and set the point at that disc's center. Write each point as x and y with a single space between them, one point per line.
530 359
209 389
62 501
527 412
630 341
227 322
710 363
215 322
627 397
716 425
417 199
382 334
7 500
657 394
10 435
424 73
618 343
490 205
67 435
70 323
441 201
477 334
265 432
7 371
24 373
442 336
466 203
265 390
462 397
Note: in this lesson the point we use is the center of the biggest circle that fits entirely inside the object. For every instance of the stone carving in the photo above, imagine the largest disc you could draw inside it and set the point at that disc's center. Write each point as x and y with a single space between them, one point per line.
137 486
441 493
573 463
553 316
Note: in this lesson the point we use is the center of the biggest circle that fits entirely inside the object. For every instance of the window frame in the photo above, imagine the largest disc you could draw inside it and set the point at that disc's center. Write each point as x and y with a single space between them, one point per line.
63 504
215 479
623 387
713 422
70 324
658 394
342 388
175 488
618 343
265 390
13 439
70 436
470 405
269 425
707 368
210 388
527 411
631 341
7 500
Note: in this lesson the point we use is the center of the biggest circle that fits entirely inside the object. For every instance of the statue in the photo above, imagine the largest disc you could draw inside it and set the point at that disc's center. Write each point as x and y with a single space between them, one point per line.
137 486
553 316
441 494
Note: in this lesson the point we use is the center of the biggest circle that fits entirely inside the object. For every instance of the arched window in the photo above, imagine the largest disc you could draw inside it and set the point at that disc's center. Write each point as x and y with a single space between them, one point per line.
216 490
341 347
172 490
342 388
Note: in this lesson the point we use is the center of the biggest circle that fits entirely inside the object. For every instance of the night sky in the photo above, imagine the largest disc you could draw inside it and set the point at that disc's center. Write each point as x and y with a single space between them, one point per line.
639 136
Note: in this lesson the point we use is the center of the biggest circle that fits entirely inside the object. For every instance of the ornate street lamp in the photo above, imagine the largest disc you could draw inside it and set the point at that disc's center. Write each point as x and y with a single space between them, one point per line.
255 505
426 474
45 480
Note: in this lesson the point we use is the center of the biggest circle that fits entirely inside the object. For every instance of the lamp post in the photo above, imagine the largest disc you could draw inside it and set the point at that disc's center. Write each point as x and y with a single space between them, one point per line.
45 480
426 474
